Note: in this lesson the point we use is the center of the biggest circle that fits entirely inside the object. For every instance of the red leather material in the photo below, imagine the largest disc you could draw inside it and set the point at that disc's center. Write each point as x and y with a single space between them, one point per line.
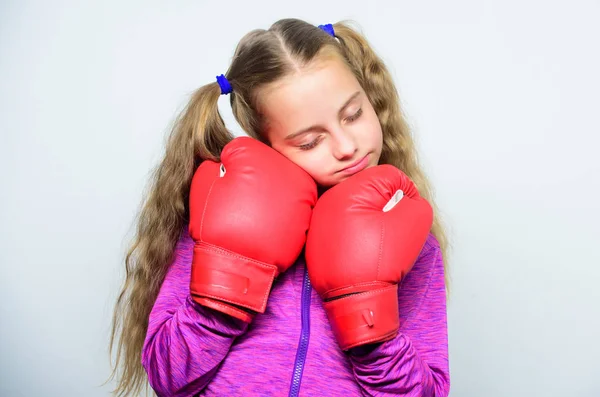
249 217
231 278
355 247
365 317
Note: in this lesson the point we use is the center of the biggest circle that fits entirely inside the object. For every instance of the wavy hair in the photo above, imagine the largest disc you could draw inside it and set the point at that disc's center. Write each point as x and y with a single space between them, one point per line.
199 133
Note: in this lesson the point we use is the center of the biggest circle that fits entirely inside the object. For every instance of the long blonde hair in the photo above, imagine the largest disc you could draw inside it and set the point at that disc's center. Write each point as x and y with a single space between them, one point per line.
261 57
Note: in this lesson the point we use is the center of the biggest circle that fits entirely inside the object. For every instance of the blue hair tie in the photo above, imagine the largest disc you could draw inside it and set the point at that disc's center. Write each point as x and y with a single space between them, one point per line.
328 28
224 84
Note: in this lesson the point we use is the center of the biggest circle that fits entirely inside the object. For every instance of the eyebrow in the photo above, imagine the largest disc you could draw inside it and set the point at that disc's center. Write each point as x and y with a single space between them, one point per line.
312 127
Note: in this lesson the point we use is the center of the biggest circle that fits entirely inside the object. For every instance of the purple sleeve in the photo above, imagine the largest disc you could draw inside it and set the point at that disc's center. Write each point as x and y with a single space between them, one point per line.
415 362
185 342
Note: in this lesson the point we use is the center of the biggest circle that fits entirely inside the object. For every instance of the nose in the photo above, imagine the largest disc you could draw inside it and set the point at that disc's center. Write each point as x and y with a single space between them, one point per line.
344 144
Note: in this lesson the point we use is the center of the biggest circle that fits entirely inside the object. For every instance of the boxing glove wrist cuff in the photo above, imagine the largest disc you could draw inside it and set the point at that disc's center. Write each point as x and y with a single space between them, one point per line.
365 317
225 308
227 277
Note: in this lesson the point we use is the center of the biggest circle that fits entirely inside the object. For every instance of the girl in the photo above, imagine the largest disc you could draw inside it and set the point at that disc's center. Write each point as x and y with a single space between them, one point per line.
318 102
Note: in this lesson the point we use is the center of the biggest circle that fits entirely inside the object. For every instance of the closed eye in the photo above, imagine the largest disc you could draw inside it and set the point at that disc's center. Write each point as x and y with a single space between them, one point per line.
355 115
311 144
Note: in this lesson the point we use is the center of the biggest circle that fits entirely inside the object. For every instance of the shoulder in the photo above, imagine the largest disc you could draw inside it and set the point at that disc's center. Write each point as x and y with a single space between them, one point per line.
431 250
424 282
429 263
185 241
183 251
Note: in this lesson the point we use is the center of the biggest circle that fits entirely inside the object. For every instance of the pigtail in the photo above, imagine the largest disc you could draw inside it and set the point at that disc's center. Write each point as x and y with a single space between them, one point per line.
204 124
199 133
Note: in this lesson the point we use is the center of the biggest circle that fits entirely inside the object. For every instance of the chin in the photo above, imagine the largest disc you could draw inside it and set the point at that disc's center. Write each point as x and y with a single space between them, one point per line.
326 184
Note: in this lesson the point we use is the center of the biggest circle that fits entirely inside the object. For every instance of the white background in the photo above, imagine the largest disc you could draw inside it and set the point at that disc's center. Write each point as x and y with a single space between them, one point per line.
502 95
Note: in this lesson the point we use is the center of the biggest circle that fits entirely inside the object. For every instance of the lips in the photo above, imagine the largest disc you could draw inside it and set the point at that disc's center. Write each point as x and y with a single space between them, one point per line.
357 166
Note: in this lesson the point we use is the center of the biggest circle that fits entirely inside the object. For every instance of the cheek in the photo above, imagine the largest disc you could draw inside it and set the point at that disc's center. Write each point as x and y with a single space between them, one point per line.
372 136
378 138
317 164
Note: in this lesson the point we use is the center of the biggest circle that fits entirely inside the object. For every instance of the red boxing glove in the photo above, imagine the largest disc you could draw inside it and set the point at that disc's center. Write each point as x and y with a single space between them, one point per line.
249 216
365 235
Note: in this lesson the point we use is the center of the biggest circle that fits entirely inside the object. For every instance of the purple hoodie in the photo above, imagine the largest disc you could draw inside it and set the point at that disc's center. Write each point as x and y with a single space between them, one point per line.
290 350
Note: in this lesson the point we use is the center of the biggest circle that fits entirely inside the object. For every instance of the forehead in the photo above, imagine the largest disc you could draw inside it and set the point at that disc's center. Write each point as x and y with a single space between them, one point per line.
313 92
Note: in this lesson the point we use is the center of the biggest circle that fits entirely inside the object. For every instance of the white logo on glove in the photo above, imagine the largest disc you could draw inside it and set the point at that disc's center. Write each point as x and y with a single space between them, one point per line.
394 200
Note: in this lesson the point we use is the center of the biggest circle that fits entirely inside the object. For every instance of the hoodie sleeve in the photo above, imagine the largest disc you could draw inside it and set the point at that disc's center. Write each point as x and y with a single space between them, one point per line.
185 342
415 362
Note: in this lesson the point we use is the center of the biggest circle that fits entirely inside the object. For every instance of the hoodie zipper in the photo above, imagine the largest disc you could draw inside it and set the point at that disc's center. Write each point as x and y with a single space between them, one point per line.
304 336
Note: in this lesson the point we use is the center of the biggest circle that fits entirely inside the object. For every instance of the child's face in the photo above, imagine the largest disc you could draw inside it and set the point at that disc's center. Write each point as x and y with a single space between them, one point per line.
321 119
